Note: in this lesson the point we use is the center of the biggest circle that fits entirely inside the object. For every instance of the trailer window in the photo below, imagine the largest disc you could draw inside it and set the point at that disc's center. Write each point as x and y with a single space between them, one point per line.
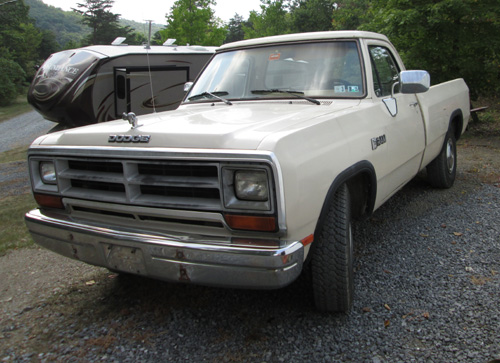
120 87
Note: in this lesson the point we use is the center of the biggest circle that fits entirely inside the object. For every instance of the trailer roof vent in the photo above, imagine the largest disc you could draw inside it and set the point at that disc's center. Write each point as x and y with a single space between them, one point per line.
169 42
118 41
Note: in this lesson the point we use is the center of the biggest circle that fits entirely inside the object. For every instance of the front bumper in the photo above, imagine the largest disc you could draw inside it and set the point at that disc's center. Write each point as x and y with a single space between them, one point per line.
190 259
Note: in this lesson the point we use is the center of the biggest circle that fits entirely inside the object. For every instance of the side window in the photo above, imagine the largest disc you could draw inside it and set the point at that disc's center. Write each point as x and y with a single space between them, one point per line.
385 70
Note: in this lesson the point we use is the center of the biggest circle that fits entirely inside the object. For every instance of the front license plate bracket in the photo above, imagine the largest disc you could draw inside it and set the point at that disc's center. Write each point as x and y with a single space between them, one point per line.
125 259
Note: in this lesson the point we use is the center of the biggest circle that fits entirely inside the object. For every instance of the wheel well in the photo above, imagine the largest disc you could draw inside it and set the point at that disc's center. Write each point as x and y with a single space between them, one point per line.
457 122
360 188
362 184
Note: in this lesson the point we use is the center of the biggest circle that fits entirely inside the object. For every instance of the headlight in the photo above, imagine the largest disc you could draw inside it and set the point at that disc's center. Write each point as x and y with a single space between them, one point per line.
248 188
48 172
251 185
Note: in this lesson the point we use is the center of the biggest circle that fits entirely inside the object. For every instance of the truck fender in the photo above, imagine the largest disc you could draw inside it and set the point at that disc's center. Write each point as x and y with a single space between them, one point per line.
362 183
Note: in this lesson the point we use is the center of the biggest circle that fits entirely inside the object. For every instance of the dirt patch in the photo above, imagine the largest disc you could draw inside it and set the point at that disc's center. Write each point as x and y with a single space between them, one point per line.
479 158
33 275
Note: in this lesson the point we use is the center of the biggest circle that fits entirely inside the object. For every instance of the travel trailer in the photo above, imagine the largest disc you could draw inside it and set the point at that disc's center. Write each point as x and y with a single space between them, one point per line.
99 83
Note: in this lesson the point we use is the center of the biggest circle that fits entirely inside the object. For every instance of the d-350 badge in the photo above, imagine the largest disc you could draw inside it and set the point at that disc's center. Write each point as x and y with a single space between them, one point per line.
377 141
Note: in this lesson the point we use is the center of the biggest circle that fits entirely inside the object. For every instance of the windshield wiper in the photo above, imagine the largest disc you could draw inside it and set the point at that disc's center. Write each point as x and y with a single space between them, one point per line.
212 95
297 94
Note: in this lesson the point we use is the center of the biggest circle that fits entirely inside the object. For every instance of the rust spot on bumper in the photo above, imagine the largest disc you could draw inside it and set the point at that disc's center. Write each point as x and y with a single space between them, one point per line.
183 274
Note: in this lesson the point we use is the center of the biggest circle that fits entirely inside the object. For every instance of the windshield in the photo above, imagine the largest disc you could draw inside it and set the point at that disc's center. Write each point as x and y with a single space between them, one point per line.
314 70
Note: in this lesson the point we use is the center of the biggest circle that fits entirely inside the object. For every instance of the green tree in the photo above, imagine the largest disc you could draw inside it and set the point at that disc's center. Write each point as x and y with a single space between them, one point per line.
194 22
65 25
448 38
274 19
12 77
103 23
351 14
48 44
312 15
18 34
235 30
19 43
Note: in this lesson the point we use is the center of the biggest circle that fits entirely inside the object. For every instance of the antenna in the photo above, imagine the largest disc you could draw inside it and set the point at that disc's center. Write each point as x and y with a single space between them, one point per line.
148 47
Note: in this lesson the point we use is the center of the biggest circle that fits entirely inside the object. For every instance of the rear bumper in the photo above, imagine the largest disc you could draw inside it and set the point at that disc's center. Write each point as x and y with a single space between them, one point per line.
190 259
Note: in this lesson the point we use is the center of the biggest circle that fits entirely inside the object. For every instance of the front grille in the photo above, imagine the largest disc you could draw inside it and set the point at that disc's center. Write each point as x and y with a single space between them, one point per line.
180 192
183 185
103 166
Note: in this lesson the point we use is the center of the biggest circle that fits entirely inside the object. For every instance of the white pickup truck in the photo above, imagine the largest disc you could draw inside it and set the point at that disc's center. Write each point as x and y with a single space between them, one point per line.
278 145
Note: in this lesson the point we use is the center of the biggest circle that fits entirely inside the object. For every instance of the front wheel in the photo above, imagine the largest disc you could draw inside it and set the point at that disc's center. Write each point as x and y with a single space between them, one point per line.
443 169
332 260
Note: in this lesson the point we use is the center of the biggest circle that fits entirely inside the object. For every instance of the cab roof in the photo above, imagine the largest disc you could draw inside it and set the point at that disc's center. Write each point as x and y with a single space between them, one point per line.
299 37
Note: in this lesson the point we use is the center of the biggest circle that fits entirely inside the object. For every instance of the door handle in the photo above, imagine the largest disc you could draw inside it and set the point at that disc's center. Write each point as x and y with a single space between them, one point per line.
414 104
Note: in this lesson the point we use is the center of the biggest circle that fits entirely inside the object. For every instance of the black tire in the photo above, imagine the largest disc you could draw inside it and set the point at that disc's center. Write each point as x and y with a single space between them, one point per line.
442 171
332 259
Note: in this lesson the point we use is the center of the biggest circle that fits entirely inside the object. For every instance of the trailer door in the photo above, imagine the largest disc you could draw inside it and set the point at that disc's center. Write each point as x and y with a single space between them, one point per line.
160 90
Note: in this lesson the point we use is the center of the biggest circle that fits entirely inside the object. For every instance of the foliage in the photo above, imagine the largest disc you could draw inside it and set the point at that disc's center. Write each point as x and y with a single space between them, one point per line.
194 22
103 23
18 35
274 19
65 25
11 79
140 28
235 30
312 15
350 14
448 38
19 43
48 44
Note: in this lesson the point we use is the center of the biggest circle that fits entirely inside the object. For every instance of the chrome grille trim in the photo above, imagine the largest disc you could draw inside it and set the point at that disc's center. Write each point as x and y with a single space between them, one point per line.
43 152
138 217
184 185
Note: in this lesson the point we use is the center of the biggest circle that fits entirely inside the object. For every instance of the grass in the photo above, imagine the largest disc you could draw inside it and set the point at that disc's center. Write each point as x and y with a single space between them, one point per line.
13 231
17 154
19 107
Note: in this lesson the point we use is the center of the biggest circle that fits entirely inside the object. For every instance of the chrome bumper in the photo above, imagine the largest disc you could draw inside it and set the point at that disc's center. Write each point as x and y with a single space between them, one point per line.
168 258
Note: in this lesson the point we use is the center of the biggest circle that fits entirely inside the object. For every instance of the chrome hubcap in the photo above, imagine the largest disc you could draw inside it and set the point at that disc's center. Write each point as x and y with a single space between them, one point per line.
450 156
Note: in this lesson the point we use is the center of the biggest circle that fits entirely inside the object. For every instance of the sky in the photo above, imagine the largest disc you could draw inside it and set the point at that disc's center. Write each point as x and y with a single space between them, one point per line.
140 10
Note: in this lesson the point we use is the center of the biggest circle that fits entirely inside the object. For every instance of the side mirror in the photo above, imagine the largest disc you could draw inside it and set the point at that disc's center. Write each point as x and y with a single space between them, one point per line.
414 81
187 86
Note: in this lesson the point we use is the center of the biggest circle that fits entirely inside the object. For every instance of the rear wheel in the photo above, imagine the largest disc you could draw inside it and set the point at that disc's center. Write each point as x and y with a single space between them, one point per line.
332 260
443 169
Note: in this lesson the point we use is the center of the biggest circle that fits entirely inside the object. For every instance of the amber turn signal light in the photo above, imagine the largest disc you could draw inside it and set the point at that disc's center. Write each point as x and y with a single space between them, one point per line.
251 223
49 201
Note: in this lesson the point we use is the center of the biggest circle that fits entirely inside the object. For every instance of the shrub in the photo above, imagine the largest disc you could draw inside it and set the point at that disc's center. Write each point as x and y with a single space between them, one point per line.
12 77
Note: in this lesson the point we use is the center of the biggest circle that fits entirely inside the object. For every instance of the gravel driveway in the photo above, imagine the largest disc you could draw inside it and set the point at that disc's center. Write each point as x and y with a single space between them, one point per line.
22 130
427 288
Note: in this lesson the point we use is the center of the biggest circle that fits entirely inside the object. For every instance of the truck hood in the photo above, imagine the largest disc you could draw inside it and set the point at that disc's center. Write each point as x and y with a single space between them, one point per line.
243 125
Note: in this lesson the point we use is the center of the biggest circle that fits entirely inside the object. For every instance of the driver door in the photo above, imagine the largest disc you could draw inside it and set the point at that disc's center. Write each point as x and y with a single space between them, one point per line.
404 131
